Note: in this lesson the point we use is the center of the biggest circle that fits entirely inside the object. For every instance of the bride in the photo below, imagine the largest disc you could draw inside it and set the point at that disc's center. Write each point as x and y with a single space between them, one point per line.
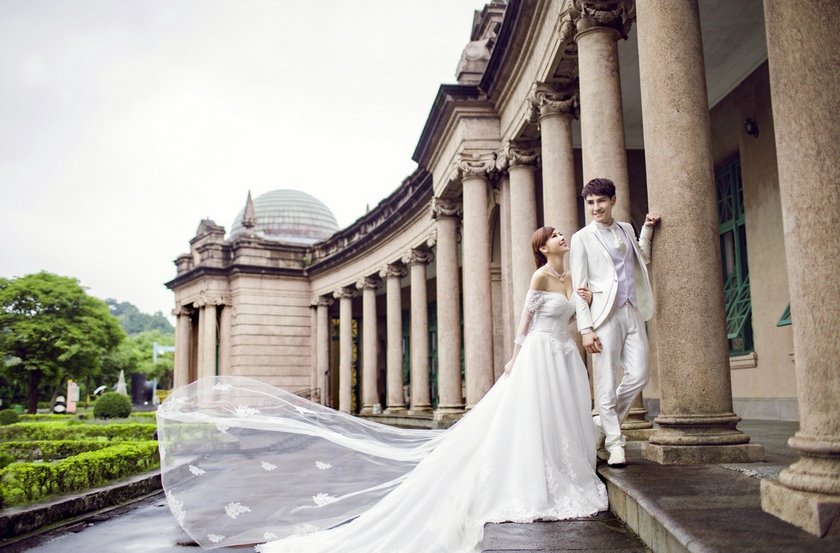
245 463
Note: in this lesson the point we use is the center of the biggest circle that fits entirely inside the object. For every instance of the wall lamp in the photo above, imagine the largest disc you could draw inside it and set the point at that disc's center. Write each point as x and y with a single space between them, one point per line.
751 127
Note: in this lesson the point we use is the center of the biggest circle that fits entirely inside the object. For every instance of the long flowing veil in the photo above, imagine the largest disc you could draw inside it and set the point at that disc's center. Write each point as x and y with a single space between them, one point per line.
243 462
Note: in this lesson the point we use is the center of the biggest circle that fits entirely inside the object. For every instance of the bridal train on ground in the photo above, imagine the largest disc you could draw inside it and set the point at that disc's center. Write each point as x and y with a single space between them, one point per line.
246 463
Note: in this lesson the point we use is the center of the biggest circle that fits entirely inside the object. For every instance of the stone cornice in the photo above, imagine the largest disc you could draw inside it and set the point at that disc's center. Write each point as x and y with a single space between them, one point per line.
230 270
448 98
387 218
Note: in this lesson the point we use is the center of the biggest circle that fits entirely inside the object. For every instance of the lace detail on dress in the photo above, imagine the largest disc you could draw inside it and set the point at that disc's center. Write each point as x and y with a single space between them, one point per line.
533 300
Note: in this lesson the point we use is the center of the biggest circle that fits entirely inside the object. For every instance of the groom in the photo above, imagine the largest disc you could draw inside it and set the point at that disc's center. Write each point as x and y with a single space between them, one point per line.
605 258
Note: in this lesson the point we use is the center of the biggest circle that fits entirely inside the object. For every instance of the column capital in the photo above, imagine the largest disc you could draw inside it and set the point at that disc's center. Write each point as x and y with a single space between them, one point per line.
431 239
182 310
474 164
617 15
445 207
517 154
321 301
347 292
547 100
395 269
368 283
417 256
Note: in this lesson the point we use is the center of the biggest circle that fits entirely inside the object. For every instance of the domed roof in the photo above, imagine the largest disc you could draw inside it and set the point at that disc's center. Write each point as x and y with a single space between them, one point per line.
290 217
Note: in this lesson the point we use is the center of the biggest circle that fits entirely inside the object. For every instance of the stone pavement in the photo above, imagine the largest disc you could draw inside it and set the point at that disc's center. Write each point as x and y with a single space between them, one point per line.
702 509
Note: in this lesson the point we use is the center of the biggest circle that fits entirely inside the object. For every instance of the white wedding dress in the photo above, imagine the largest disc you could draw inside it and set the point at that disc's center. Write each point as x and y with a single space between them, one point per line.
247 463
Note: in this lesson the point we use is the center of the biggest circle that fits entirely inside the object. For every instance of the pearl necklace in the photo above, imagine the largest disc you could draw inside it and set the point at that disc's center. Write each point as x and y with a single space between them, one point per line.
553 272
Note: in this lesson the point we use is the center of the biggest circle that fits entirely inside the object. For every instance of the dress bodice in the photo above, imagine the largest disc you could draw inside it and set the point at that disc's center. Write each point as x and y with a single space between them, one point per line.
550 312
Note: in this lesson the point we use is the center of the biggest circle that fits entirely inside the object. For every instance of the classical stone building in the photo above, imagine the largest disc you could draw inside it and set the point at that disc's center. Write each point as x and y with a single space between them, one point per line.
719 115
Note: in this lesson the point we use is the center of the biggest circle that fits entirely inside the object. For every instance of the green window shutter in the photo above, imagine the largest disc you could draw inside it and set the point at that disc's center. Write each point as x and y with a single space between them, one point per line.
785 319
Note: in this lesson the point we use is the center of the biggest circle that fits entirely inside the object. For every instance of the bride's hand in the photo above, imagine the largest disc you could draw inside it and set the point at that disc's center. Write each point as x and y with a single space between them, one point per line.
585 294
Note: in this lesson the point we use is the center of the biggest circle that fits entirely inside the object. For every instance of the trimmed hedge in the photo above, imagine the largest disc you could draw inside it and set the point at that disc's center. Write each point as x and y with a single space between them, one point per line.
9 416
50 450
23 431
26 482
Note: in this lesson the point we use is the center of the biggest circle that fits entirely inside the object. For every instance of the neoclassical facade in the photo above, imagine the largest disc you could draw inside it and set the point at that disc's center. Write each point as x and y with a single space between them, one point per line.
716 114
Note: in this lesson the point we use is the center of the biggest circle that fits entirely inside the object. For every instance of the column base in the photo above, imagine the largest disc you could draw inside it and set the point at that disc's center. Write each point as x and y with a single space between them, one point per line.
447 416
422 409
702 454
375 409
637 434
394 409
815 513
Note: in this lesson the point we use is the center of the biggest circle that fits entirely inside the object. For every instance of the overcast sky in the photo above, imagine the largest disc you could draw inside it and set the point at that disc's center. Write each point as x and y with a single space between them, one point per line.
123 123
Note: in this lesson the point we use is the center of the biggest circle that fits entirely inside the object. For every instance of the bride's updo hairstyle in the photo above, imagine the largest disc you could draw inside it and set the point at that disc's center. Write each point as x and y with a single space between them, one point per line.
538 240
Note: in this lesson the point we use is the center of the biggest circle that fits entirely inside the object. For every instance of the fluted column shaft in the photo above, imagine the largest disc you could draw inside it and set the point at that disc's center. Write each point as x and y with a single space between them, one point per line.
313 349
323 347
345 348
697 423
802 51
421 400
522 170
446 213
181 376
370 349
508 316
394 355
208 356
478 314
601 115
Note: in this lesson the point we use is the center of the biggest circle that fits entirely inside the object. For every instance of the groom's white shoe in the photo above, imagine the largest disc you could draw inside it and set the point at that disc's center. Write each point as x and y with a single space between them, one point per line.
600 450
616 456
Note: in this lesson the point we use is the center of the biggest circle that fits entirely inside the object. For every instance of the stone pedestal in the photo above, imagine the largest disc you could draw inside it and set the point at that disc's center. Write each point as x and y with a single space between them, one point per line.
446 213
474 170
520 162
697 424
601 114
323 348
370 349
345 347
421 400
803 50
392 274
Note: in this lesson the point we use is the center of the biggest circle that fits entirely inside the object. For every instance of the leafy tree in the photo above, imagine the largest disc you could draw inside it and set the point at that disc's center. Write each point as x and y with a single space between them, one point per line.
135 355
135 322
55 329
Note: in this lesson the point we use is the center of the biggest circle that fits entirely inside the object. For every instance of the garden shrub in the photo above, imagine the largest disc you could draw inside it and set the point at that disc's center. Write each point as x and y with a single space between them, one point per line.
8 416
112 405
6 459
50 450
21 482
24 431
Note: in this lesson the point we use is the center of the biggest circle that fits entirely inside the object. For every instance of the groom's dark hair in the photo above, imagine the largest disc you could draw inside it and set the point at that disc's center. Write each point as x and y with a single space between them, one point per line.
598 187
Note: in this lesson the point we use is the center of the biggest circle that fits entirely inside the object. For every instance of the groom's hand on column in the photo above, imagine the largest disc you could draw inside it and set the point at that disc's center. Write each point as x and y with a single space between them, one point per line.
591 343
652 219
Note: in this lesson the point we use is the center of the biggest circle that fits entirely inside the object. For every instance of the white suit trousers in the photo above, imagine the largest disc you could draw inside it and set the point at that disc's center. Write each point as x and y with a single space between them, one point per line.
623 345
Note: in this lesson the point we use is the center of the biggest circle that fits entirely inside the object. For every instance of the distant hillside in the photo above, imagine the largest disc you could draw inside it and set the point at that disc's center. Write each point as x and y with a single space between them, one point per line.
134 322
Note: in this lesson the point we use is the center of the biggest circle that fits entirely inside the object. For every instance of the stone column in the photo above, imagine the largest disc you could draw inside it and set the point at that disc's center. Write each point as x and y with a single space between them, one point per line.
601 115
345 340
474 171
225 332
521 162
802 50
392 273
446 213
421 402
370 349
508 315
208 354
697 424
323 346
199 354
181 373
313 349
556 109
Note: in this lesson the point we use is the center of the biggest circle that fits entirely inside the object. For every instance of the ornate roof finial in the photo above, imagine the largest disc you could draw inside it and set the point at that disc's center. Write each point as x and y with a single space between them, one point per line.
249 220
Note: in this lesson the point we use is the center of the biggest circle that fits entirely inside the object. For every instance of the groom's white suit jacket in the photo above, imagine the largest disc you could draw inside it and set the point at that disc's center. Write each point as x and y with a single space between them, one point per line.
592 266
